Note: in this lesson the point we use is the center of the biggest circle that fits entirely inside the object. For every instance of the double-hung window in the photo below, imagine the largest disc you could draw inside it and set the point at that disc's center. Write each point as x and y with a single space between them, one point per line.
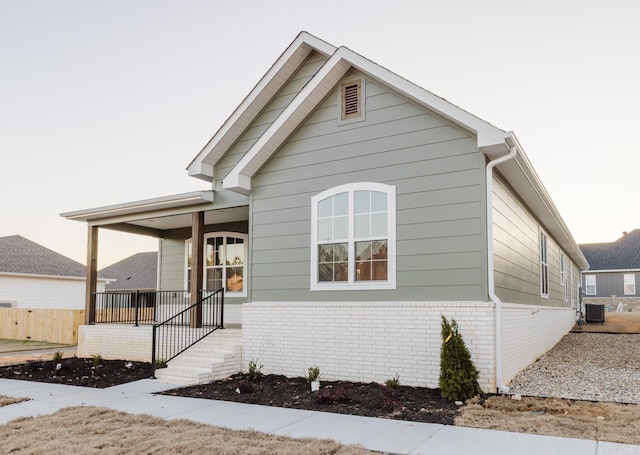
544 266
563 276
590 285
353 237
629 284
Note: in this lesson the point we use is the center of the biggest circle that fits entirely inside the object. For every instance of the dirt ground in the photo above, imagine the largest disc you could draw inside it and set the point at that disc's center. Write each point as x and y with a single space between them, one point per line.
613 323
88 372
418 404
92 430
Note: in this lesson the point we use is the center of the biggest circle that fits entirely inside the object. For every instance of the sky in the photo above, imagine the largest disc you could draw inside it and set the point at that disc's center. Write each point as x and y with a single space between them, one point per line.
108 102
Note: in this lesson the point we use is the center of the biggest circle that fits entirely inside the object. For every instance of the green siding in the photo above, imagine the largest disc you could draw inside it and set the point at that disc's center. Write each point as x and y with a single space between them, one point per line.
517 256
440 222
172 265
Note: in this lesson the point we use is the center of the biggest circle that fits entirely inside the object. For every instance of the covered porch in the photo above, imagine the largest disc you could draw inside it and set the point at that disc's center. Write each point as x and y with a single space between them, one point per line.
202 241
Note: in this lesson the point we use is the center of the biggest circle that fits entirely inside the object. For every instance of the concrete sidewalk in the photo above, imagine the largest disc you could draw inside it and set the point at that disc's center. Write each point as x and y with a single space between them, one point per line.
384 435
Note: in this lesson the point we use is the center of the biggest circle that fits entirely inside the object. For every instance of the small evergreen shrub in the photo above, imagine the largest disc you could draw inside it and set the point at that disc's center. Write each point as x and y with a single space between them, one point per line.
313 373
394 382
458 375
254 370
97 359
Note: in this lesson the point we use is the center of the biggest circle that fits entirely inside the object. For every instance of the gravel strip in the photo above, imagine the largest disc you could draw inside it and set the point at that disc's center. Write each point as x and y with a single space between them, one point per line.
585 366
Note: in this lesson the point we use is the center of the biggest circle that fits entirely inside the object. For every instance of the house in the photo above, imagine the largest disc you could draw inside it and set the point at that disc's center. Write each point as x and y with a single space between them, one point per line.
346 210
136 272
35 277
613 273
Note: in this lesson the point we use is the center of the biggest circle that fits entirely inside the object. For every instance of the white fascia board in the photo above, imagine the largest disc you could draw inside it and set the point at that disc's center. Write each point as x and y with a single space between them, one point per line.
324 81
201 170
147 205
256 100
51 277
525 181
586 272
309 97
487 134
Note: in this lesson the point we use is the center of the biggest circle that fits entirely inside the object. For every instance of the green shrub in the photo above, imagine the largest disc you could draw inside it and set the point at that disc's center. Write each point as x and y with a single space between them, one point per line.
57 356
458 375
394 382
254 370
313 373
97 359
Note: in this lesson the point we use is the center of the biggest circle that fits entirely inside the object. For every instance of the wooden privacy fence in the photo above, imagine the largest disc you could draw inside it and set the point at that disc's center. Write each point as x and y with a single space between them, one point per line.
53 326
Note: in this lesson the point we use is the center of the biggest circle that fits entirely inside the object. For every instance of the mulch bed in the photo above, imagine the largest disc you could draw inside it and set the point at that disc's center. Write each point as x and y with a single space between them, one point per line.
86 372
417 404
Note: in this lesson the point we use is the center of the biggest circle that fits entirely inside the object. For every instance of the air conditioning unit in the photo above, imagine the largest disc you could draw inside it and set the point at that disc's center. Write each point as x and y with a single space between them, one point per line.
595 313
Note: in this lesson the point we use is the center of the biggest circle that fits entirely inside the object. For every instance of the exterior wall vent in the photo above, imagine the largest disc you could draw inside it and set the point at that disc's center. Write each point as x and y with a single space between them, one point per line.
351 99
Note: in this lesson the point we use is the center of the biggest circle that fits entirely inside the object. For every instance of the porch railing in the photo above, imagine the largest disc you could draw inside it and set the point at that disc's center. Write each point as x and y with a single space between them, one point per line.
174 336
139 307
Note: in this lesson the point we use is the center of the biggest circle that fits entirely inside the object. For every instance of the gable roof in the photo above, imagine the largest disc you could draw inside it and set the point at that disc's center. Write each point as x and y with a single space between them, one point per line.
22 256
202 165
139 271
622 254
491 141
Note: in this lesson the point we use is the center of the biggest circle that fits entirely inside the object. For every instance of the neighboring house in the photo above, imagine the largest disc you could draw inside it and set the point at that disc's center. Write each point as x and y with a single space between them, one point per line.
32 276
133 280
348 209
614 272
137 272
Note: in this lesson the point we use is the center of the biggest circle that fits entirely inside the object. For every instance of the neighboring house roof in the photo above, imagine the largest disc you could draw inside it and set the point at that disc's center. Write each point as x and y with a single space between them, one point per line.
139 271
492 141
22 256
623 254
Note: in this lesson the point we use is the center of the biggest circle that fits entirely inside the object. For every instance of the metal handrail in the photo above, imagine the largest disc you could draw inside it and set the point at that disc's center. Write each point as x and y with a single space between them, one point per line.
169 337
138 307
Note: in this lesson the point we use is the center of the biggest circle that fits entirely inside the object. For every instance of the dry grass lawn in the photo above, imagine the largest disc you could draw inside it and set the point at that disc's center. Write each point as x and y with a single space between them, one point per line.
5 401
91 429
26 345
611 422
614 323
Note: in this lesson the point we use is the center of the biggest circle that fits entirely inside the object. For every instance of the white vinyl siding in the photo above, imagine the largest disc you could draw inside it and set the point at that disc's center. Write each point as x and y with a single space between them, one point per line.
44 292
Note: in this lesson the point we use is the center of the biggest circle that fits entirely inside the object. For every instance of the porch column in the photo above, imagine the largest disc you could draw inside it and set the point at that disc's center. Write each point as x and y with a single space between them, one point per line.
197 239
92 275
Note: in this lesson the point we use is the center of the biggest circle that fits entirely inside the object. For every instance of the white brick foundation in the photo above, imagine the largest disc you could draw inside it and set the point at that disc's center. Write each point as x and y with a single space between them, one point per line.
374 341
365 341
530 331
115 341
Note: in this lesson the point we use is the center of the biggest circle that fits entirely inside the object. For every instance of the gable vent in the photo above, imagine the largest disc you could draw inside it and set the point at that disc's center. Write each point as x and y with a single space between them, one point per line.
351 95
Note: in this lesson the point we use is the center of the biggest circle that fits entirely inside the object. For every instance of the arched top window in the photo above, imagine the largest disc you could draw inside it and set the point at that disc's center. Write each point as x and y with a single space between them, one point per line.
224 262
353 237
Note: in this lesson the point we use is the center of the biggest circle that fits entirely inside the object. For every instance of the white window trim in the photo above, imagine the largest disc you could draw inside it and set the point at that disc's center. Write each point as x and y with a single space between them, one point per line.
624 283
208 235
563 274
351 284
586 285
543 270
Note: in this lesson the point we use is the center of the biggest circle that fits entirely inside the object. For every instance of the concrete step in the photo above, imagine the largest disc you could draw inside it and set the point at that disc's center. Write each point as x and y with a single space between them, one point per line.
217 356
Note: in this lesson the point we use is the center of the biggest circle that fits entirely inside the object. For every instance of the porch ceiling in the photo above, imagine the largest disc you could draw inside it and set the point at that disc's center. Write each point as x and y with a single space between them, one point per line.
183 220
